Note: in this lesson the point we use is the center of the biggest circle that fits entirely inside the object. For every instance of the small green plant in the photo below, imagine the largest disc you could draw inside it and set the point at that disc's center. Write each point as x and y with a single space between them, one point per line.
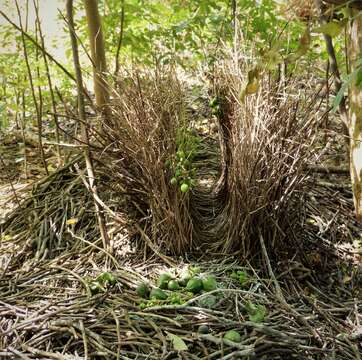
256 312
101 283
241 276
150 303
176 299
194 270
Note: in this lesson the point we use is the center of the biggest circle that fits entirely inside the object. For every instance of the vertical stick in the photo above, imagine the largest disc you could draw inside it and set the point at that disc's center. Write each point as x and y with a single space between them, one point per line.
82 116
38 114
119 45
50 85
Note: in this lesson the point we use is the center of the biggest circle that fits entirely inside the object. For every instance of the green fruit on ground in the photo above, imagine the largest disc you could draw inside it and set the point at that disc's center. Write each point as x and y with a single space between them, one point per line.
143 290
194 285
209 283
158 294
184 188
233 336
173 285
203 329
184 280
173 181
163 280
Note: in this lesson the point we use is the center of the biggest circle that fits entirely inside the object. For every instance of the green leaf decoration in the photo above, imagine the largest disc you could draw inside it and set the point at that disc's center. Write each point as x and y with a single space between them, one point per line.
106 278
208 301
241 276
177 342
256 312
332 28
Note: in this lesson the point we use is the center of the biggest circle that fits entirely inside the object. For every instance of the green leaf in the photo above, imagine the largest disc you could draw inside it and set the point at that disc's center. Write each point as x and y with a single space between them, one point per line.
208 301
241 276
342 90
106 278
177 342
359 78
256 312
332 28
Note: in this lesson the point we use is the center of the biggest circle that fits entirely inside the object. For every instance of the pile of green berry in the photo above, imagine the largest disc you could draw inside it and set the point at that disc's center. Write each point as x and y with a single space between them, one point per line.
172 290
181 164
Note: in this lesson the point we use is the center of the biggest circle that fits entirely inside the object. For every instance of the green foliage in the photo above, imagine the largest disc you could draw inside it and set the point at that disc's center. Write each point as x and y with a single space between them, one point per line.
332 28
208 301
354 78
184 32
101 283
256 312
177 342
241 276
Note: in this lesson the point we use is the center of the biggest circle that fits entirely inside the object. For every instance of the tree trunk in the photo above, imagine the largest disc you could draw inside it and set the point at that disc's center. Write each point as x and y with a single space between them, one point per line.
355 112
98 55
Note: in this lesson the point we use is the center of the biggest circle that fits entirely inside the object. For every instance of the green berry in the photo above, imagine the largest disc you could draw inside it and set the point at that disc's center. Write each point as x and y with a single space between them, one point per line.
203 329
173 285
233 336
158 294
209 284
163 280
194 285
184 188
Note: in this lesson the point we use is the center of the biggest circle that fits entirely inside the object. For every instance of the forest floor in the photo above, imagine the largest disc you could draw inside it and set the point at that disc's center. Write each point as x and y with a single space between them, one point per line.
82 301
